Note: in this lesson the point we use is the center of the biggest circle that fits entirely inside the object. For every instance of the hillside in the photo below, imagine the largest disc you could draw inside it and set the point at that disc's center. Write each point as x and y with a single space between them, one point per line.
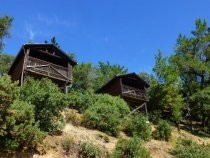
157 149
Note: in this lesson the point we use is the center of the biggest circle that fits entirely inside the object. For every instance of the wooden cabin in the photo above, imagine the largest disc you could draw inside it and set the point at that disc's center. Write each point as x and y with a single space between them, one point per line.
130 87
43 60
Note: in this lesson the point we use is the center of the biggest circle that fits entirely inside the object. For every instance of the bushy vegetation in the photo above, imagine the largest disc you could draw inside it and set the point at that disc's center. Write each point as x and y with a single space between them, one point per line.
48 101
106 114
188 86
28 112
81 100
163 131
189 149
133 148
137 125
155 116
18 127
88 150
73 117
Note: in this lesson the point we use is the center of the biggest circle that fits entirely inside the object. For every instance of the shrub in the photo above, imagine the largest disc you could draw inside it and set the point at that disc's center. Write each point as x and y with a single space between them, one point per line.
68 144
73 117
20 130
106 114
189 149
138 125
9 91
163 131
133 148
155 117
48 101
88 150
80 101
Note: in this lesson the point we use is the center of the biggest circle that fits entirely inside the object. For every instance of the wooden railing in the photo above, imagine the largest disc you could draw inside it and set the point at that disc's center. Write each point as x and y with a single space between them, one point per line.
48 69
134 93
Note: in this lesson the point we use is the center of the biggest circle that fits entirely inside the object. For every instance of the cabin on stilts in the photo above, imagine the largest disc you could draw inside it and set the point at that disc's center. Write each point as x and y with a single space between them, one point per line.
131 88
43 60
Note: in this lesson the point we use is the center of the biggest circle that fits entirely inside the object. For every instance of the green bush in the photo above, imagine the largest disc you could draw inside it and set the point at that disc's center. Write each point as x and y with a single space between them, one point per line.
138 125
155 117
106 114
20 128
80 101
48 101
9 91
88 150
189 149
163 131
133 148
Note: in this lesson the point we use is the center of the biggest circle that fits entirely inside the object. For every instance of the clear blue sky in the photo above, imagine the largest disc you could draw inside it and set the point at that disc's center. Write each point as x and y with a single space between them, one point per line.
125 32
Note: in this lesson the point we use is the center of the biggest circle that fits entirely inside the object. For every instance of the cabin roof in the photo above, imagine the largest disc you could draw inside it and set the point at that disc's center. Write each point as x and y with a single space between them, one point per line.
129 75
42 45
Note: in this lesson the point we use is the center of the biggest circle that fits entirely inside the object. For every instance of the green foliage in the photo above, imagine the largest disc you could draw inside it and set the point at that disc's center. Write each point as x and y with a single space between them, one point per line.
106 71
137 125
163 131
88 77
88 150
133 148
145 76
48 101
84 76
5 62
8 92
155 116
17 123
80 101
189 149
21 130
203 108
165 91
106 114
191 58
5 24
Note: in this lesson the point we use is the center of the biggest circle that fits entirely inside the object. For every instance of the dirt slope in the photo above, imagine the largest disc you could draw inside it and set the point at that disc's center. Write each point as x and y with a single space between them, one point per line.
158 149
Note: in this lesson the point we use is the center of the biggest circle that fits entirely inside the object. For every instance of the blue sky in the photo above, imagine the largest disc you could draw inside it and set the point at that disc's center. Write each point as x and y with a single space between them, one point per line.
125 32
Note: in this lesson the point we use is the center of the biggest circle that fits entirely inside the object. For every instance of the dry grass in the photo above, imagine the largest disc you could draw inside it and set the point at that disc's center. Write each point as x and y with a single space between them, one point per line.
158 149
72 116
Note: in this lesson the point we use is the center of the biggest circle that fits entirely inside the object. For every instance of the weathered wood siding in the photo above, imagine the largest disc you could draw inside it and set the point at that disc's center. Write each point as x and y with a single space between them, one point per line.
16 73
113 88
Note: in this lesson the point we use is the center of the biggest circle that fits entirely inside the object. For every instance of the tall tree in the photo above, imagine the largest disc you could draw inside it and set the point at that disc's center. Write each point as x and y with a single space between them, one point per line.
106 71
84 76
5 24
165 89
192 58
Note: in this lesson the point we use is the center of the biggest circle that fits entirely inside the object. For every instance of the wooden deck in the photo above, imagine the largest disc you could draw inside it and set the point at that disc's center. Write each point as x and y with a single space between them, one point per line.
135 93
48 69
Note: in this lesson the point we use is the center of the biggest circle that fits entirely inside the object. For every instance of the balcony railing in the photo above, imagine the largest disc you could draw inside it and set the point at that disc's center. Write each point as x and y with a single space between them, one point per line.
48 69
132 92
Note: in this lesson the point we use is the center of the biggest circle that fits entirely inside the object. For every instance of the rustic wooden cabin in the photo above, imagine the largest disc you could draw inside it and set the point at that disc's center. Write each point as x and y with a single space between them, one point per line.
43 60
130 87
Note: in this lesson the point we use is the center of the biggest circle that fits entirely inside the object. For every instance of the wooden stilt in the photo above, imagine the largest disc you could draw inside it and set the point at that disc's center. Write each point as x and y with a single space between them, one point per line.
142 105
145 106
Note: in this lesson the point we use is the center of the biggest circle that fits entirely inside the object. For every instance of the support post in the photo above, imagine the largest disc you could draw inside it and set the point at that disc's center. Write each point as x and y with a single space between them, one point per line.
145 106
137 109
26 53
